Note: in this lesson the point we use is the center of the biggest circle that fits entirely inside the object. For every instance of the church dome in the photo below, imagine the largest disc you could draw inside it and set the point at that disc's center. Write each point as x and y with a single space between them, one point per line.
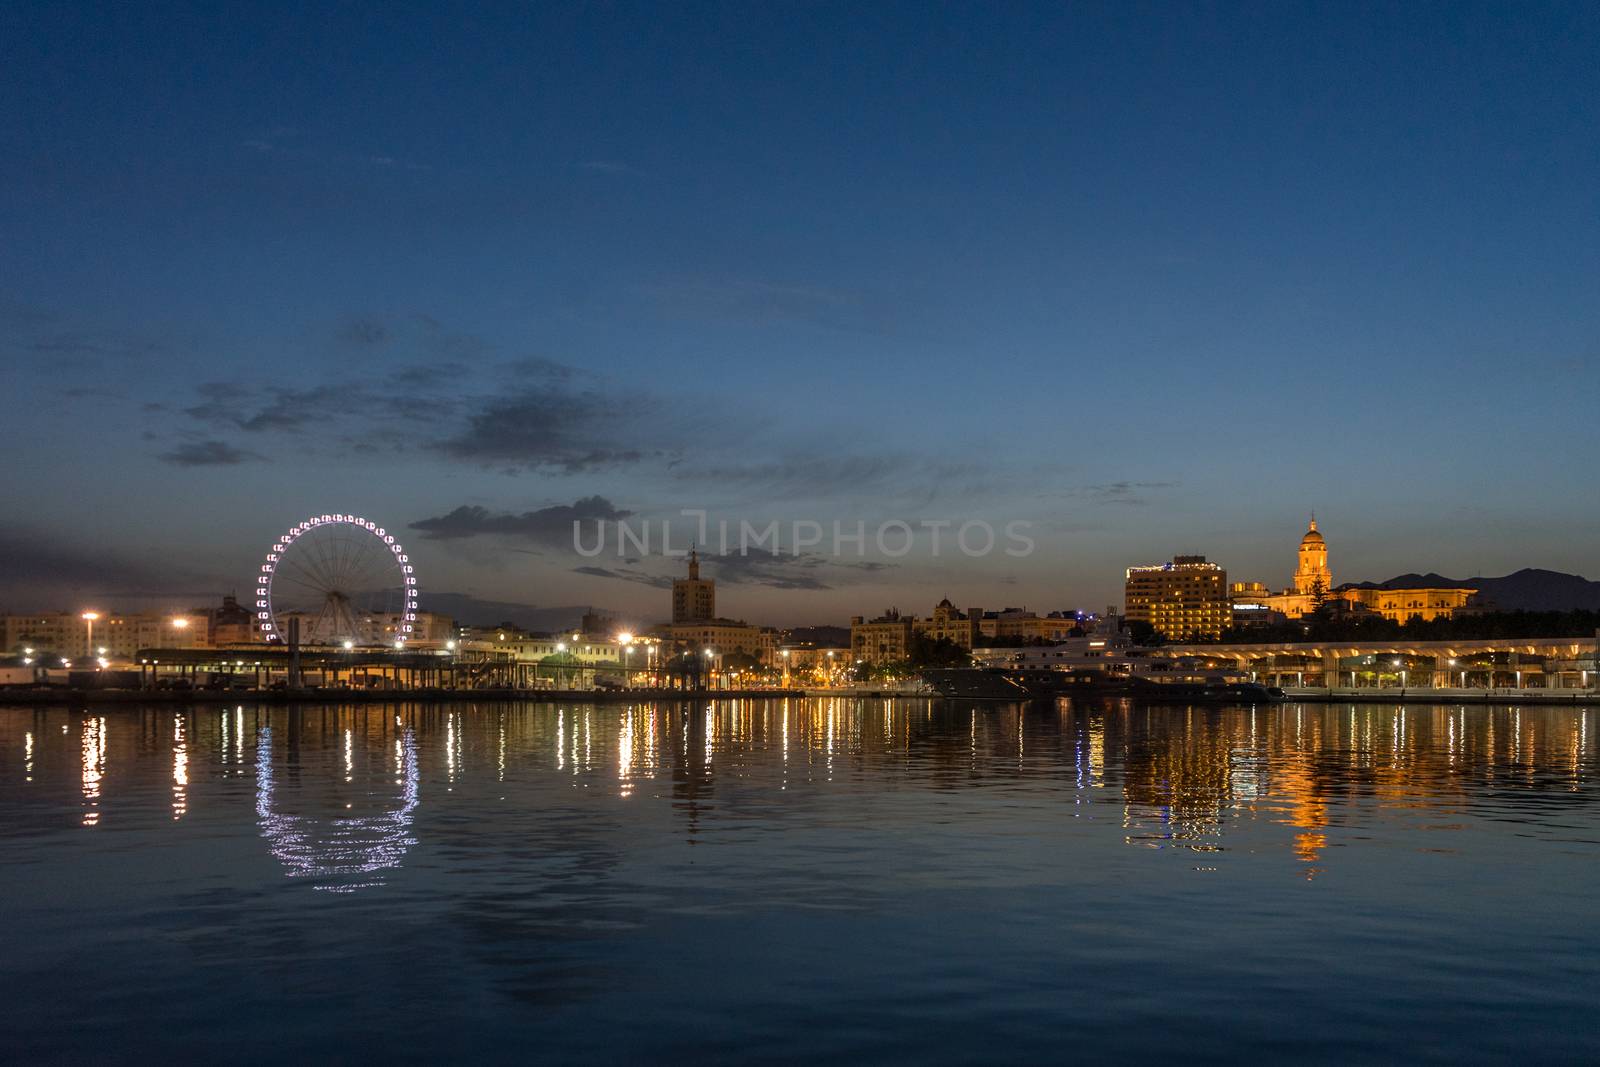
1312 537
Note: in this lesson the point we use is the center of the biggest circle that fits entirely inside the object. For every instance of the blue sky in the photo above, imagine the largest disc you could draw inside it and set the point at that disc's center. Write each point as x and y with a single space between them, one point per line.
1154 279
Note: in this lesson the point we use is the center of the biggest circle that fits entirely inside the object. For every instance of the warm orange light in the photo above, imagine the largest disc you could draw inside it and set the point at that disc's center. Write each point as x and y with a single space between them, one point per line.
90 616
181 624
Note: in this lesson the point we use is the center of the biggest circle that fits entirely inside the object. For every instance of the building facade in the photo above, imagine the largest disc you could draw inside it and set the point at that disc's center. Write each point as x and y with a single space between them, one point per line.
1019 625
721 636
114 636
1400 605
1313 588
886 639
951 624
1186 599
694 599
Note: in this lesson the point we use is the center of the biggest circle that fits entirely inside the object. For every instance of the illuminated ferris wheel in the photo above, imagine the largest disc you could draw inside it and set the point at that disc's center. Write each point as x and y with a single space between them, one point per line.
347 580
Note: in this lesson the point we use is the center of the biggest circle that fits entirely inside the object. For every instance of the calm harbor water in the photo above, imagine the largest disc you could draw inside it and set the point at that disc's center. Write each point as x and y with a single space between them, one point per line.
776 880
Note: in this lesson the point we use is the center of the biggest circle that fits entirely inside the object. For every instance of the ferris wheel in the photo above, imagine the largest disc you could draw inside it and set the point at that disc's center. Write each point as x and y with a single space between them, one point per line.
346 579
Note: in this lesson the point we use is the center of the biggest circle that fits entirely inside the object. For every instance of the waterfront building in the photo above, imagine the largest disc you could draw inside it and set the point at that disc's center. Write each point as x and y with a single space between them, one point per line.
695 625
722 636
694 599
1401 604
527 646
1016 626
1313 588
886 639
233 624
951 624
112 636
813 657
1529 667
384 628
1313 584
1186 599
1019 625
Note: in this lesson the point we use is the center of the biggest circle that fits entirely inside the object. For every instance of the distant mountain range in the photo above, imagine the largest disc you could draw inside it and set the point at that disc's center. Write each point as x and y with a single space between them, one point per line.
1529 589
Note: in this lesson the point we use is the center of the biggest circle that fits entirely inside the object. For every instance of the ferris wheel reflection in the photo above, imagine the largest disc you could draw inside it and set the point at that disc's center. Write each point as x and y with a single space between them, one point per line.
343 853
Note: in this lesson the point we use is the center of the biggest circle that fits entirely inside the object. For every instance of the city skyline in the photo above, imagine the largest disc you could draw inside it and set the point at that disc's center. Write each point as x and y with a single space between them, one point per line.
1065 268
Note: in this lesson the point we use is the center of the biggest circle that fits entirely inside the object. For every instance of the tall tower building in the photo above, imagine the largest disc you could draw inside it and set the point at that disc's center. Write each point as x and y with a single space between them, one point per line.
1312 575
694 599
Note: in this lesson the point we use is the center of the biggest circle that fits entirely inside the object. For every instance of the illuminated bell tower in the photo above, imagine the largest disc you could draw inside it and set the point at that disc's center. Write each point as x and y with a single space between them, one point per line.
1313 569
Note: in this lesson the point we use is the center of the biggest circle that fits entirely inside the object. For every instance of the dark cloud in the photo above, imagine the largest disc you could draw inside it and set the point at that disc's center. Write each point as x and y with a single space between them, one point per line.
352 412
552 429
551 526
547 419
627 574
41 569
430 375
790 571
208 454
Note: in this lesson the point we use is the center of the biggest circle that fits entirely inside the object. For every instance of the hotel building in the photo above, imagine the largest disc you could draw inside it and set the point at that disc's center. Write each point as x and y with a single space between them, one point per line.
1184 600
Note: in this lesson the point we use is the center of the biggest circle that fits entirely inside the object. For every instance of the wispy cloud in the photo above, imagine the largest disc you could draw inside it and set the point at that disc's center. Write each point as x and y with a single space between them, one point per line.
208 454
1127 493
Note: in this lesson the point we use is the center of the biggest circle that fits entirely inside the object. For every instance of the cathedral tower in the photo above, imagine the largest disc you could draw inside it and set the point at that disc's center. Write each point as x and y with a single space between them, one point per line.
1312 574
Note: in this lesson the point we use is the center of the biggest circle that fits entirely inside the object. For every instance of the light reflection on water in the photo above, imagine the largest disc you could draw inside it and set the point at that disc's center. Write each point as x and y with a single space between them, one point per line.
924 877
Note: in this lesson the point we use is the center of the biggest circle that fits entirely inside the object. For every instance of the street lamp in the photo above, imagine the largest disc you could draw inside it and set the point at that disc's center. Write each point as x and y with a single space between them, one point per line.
88 629
626 640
